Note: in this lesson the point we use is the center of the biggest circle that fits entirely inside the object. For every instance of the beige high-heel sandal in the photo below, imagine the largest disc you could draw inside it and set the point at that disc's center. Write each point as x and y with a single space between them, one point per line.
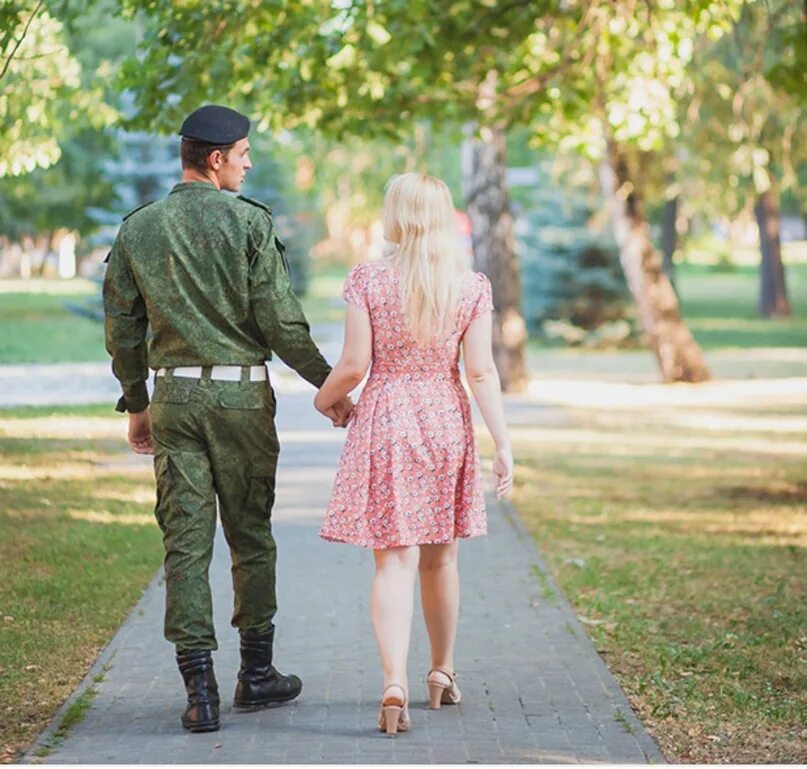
443 689
394 714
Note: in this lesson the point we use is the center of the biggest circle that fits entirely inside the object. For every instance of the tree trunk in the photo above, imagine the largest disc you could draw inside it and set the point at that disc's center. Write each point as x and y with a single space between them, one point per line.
772 289
678 354
488 206
669 238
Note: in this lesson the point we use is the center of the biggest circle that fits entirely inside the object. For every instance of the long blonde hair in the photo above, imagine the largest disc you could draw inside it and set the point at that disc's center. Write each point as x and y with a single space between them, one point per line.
419 218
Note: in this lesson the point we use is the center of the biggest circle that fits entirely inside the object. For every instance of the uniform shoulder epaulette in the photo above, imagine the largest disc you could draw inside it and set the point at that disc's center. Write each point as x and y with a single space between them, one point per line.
135 210
254 202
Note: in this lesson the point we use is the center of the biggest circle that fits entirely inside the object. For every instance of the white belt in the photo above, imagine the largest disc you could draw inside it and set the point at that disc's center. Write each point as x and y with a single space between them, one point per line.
225 373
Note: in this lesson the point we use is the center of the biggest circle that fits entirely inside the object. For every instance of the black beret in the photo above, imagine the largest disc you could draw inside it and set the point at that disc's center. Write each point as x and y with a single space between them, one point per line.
215 125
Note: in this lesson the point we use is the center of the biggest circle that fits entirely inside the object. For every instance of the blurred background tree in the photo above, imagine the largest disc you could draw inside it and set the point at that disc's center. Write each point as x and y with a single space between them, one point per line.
744 130
42 94
574 288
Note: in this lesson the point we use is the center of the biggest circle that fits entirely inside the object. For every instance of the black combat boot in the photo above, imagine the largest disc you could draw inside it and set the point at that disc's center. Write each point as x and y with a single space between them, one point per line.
259 682
202 713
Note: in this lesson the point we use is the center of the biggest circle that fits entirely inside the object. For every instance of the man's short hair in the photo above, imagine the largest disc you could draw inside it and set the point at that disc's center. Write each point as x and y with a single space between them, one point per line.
194 153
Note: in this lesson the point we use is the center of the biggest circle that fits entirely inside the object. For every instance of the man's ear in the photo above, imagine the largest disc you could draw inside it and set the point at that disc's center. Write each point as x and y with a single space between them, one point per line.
215 160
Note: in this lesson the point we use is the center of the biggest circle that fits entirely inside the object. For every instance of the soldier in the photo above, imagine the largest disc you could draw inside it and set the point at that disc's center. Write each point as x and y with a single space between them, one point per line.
207 272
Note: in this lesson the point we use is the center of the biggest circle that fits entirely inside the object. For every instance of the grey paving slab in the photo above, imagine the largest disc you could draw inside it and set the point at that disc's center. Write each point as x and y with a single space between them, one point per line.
534 689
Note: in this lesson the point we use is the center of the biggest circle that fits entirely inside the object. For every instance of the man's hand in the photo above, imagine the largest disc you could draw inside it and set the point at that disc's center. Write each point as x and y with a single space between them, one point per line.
340 412
140 433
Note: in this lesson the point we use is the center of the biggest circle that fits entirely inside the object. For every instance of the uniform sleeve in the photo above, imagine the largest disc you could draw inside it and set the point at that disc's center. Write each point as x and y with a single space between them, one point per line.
125 325
355 290
484 298
277 310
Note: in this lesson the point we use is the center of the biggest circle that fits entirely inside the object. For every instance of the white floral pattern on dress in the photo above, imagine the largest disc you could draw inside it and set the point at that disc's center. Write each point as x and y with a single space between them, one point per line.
409 472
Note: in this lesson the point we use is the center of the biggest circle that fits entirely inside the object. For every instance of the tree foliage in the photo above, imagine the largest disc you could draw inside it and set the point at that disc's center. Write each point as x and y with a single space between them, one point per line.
41 92
574 288
364 69
744 120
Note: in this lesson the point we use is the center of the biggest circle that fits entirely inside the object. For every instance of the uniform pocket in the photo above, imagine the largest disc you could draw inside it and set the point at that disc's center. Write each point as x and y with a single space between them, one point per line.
249 397
173 390
185 496
262 486
162 477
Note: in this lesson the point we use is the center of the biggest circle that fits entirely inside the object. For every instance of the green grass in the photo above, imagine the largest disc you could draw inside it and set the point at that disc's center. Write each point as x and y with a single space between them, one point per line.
73 715
720 307
89 410
78 545
38 328
688 566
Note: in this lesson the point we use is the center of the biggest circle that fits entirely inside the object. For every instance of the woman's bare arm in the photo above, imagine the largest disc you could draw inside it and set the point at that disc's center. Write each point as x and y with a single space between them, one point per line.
483 379
357 352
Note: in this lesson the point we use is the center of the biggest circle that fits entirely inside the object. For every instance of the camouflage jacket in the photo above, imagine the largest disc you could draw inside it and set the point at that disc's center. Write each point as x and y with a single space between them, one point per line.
206 271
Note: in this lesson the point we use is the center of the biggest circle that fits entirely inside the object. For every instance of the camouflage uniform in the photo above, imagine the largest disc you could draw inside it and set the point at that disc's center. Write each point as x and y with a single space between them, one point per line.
206 271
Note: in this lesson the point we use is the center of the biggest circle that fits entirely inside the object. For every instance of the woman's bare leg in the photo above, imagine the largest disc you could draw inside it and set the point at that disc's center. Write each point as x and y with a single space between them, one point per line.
440 597
391 607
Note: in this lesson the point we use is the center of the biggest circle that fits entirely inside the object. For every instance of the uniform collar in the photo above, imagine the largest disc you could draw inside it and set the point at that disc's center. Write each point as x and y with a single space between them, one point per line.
182 186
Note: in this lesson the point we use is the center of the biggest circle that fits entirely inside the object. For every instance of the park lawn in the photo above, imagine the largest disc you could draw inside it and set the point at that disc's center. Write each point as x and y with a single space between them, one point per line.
683 549
78 545
720 307
39 328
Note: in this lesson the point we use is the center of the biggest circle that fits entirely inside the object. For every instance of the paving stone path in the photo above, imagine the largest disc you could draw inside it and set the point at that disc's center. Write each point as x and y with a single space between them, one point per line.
534 689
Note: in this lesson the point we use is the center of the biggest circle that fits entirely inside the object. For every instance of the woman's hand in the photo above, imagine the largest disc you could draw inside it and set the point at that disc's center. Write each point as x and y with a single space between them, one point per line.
503 471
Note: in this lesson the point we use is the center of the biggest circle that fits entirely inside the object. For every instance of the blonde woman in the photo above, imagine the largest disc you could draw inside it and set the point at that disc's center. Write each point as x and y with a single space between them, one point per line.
408 484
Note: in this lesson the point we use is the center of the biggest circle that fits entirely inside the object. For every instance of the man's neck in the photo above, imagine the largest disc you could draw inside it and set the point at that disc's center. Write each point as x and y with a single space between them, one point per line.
192 175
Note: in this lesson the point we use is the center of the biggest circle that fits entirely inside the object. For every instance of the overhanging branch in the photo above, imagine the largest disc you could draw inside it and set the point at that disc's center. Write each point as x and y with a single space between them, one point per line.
18 43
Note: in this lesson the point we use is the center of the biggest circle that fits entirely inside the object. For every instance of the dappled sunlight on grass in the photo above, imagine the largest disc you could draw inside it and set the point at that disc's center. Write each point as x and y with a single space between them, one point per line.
68 427
78 543
762 527
103 516
677 527
63 472
615 395
76 466
626 444
141 495
720 421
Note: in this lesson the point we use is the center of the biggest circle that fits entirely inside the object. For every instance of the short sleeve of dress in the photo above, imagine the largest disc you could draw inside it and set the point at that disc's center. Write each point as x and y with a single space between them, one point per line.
484 297
355 290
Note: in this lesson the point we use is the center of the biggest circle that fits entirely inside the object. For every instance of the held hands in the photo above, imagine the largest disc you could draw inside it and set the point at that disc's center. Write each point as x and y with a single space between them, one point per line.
339 414
140 433
503 471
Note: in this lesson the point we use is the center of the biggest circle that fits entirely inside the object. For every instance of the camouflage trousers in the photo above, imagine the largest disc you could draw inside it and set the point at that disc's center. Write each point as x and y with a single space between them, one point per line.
215 440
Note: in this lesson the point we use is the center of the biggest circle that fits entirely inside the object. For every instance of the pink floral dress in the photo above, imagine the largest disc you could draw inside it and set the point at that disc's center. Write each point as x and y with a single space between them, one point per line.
409 472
